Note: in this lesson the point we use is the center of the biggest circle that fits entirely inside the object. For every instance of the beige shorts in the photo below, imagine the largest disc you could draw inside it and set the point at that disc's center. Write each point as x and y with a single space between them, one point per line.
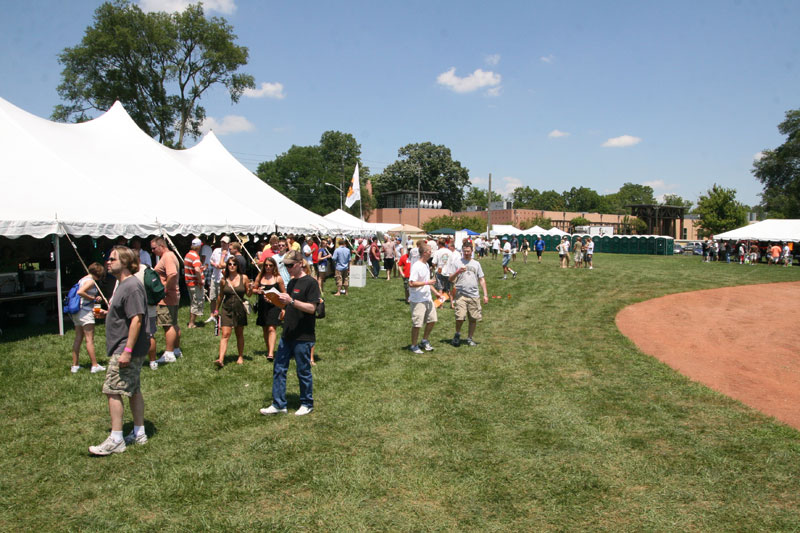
196 295
343 278
122 380
213 290
83 318
422 313
467 307
167 316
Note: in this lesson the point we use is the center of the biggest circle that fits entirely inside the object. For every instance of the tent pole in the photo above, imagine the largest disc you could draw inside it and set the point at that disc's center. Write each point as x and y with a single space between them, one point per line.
58 285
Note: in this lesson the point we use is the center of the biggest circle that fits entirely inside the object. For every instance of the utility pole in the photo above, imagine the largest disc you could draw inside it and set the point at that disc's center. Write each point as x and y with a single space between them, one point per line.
419 195
489 212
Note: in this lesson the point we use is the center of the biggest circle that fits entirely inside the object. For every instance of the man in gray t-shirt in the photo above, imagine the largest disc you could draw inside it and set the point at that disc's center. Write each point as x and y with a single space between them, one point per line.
467 275
127 344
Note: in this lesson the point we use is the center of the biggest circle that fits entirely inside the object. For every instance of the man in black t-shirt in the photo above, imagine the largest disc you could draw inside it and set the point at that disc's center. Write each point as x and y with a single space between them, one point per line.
301 298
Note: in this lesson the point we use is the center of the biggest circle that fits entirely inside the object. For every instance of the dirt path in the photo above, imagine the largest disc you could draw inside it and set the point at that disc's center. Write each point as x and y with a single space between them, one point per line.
740 341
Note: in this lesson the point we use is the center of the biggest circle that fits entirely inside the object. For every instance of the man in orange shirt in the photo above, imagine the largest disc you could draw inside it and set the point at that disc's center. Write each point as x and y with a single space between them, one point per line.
775 254
167 309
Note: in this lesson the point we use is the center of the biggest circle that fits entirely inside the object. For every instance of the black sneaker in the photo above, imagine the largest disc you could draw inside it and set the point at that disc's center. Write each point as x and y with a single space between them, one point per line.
456 341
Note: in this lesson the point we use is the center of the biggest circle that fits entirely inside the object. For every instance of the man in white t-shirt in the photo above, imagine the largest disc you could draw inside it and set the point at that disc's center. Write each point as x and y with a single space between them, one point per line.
588 247
495 247
440 259
507 259
217 260
422 308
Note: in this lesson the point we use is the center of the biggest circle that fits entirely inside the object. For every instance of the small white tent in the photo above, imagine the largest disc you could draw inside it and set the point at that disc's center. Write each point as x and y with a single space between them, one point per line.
772 229
343 218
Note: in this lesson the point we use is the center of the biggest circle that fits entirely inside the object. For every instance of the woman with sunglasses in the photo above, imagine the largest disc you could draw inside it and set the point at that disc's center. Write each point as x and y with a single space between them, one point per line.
234 288
269 315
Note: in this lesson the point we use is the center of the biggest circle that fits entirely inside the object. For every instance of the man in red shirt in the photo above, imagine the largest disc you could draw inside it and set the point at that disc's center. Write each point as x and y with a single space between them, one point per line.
404 267
195 281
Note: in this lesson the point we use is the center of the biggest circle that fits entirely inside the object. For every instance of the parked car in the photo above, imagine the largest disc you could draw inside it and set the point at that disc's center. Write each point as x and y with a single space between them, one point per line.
678 249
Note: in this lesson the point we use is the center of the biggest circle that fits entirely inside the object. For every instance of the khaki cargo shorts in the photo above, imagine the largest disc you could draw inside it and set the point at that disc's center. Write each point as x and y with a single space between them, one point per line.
467 307
167 316
123 380
422 313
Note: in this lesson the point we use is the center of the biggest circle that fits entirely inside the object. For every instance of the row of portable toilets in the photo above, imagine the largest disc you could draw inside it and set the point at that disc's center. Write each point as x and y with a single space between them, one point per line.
617 244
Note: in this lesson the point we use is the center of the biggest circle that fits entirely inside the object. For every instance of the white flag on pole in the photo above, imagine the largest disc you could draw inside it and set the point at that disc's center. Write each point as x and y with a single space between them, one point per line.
354 194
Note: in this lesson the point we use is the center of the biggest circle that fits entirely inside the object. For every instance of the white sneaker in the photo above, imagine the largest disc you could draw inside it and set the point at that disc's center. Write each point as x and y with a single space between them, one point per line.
210 319
97 368
178 352
74 369
271 410
426 345
415 349
107 447
131 439
304 410
166 358
153 365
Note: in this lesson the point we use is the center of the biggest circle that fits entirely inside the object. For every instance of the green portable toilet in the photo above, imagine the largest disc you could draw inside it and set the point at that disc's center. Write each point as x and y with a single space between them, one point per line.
650 245
624 245
605 244
596 241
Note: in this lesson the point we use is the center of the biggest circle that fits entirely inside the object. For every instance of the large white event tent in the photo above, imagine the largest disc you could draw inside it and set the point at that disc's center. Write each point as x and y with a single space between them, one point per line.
107 178
340 217
772 229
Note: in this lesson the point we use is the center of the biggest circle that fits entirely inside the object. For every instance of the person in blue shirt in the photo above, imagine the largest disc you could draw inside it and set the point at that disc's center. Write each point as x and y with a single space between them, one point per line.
539 246
341 257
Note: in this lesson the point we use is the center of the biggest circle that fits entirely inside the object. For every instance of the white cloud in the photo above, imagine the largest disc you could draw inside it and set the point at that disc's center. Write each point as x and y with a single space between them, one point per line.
558 133
226 7
547 59
477 80
622 141
479 181
492 59
494 91
507 186
656 184
229 124
267 90
759 156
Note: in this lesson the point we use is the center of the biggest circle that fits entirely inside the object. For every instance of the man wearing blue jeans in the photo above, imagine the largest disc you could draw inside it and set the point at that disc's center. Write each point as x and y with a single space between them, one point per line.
301 298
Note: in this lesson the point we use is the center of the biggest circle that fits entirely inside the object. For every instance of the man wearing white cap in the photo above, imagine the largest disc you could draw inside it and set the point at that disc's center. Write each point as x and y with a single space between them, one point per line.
195 281
218 258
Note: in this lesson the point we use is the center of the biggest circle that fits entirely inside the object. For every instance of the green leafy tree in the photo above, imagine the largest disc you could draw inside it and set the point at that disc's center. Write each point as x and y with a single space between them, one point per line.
632 225
582 199
551 201
542 222
779 171
579 221
434 166
526 198
456 222
479 197
674 199
302 172
719 211
158 65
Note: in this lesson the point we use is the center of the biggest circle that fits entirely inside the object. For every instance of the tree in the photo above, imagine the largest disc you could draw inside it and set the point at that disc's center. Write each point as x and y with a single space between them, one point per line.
525 198
542 222
551 201
582 199
435 169
779 171
479 197
456 222
674 199
301 173
158 65
719 211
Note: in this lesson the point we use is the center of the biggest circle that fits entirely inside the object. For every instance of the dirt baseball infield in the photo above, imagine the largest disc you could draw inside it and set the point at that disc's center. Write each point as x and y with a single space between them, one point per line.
740 341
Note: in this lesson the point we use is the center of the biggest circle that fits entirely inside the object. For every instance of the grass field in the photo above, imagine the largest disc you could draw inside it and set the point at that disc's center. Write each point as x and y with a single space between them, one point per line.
555 422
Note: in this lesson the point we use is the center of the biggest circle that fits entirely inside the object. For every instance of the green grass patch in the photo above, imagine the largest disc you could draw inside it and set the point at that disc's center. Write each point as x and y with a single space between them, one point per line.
555 422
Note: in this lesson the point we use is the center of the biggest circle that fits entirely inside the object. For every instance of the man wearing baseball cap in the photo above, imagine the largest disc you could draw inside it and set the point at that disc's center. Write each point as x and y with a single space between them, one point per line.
195 281
301 298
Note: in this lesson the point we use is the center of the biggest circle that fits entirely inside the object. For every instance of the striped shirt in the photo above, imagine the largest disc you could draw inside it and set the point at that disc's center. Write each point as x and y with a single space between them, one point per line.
193 269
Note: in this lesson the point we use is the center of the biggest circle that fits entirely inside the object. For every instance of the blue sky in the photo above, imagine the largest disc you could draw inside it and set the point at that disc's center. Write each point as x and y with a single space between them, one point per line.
677 95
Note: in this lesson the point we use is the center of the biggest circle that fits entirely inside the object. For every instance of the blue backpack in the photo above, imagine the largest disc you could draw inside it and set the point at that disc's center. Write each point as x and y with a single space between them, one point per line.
72 301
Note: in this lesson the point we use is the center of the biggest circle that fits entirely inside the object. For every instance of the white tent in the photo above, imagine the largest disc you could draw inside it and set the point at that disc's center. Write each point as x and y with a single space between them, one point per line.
772 229
104 177
536 230
343 218
505 229
556 231
209 160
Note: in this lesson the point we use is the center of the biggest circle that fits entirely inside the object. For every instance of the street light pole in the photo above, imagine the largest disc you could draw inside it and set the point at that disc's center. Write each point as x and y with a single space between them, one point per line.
341 194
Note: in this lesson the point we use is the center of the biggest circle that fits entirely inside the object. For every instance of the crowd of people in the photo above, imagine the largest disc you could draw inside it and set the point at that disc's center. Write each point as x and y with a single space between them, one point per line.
747 252
287 276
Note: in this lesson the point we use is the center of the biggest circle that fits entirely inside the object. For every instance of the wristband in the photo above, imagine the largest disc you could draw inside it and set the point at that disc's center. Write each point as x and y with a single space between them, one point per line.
129 350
